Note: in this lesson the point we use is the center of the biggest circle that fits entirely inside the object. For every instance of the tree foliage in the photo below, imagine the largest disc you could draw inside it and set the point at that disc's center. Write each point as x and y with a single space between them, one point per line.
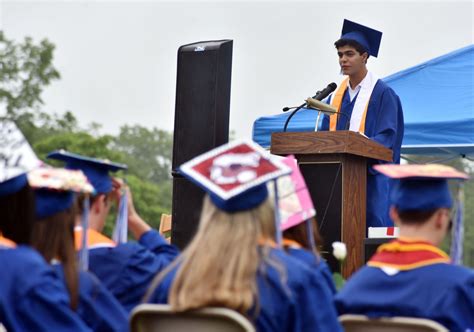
26 69
148 152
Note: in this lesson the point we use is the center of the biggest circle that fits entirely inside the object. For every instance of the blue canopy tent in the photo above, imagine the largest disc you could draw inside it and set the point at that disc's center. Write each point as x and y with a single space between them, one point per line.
438 105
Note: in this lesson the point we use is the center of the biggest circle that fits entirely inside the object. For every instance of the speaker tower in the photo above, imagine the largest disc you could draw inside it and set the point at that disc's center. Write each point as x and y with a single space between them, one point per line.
201 123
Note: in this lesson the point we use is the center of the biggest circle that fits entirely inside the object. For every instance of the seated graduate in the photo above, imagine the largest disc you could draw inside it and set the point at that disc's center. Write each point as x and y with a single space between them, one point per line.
125 268
32 297
53 237
411 276
233 260
298 222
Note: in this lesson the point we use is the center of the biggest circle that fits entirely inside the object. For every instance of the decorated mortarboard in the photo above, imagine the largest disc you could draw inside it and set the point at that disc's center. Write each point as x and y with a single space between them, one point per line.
294 200
55 188
16 158
96 170
421 187
235 174
365 36
424 188
54 192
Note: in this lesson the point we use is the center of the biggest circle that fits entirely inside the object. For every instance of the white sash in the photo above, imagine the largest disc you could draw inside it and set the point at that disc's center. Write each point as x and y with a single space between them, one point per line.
362 100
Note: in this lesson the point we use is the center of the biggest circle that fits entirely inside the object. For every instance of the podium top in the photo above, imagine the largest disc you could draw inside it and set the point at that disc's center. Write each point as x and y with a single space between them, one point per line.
328 142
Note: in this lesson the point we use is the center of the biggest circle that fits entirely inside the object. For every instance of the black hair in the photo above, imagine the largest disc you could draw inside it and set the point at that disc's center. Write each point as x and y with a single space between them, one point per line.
17 215
352 43
414 217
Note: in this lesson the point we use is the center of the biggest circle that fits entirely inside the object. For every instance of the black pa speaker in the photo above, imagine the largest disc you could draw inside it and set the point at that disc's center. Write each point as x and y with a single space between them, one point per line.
201 123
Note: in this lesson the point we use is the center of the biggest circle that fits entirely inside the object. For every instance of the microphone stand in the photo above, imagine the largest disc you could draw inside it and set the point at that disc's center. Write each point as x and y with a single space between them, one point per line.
330 113
296 110
291 115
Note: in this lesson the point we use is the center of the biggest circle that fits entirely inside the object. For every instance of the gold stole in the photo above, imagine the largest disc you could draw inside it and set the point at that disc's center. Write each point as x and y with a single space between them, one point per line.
336 101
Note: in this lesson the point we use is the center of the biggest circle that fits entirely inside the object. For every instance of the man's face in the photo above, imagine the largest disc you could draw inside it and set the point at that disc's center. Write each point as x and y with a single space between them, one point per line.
351 61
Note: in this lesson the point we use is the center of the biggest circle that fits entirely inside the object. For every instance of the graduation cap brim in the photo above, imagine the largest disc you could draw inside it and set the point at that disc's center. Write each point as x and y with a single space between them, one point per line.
420 187
96 170
72 158
59 179
272 169
369 38
432 171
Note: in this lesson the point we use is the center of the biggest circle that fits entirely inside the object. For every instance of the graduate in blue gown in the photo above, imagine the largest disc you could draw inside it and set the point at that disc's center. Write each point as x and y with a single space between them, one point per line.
126 268
297 246
32 297
53 237
233 260
411 276
368 106
298 223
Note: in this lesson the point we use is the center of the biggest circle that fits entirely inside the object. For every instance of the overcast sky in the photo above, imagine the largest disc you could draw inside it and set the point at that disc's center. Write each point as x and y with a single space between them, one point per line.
118 59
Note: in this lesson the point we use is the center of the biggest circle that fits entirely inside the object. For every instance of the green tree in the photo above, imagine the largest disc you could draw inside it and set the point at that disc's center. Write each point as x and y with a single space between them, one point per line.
26 69
148 152
150 199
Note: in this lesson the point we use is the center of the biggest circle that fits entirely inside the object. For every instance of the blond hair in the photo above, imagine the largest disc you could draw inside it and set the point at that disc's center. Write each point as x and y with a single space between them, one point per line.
219 266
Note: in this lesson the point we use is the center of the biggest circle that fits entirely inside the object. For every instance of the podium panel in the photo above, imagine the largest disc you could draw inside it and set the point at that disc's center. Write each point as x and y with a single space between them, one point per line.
337 184
328 204
334 167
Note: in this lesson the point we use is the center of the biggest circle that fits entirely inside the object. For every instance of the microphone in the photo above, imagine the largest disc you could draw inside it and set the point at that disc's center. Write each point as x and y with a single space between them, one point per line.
325 92
326 109
320 106
320 95
286 109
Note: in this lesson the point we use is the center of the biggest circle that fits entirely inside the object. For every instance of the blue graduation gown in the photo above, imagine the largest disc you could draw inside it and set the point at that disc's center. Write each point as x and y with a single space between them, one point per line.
316 264
32 297
98 308
441 292
384 124
127 269
303 304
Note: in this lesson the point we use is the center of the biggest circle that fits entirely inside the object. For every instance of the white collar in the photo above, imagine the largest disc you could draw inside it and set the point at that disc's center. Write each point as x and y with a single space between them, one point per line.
362 83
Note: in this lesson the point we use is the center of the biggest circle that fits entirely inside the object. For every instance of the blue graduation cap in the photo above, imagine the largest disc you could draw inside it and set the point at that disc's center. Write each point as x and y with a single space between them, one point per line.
16 158
55 189
424 188
421 187
235 174
96 170
13 185
365 36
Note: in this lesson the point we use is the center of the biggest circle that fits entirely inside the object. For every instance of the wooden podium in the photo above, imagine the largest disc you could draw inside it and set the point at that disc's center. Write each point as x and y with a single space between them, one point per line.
334 165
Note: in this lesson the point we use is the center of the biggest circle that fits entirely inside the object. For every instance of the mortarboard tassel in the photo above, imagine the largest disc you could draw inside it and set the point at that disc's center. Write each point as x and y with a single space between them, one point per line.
457 238
84 253
278 232
120 234
310 234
